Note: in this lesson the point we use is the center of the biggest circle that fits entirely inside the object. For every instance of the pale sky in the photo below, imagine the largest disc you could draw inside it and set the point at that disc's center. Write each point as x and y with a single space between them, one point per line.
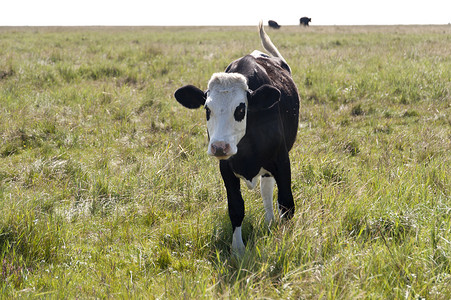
228 12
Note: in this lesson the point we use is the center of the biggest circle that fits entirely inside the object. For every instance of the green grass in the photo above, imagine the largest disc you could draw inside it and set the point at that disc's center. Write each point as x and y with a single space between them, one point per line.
106 190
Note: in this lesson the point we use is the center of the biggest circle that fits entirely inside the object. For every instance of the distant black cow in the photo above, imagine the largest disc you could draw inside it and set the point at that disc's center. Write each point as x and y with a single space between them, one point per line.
304 21
273 24
252 112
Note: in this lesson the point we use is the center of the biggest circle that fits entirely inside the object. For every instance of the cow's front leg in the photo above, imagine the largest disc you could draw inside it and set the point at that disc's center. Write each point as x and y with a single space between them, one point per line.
236 206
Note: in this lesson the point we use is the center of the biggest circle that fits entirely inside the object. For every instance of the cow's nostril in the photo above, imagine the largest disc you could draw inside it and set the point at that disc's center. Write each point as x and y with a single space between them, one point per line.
213 149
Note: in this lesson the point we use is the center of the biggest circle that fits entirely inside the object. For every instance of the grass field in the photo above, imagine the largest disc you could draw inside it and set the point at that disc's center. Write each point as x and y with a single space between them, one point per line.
106 190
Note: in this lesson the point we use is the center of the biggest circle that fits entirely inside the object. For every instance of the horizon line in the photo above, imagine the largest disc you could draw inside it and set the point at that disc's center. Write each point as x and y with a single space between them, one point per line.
223 25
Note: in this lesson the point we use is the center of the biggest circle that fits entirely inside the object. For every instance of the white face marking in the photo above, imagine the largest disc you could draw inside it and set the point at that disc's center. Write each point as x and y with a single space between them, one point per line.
226 109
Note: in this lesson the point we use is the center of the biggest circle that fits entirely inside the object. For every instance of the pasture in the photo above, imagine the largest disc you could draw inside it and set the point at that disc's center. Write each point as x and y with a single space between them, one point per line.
106 190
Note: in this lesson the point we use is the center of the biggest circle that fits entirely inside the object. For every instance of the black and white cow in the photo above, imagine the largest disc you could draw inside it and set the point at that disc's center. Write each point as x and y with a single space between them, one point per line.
304 21
252 112
273 24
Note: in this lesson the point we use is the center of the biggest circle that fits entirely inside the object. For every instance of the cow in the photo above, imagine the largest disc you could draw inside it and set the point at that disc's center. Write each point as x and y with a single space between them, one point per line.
304 21
273 24
252 113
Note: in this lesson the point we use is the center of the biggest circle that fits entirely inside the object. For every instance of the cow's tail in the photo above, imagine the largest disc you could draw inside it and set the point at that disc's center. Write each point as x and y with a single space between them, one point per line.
267 43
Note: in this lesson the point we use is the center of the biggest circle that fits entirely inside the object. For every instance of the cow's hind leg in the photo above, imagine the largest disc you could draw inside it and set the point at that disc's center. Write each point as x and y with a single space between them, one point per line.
267 183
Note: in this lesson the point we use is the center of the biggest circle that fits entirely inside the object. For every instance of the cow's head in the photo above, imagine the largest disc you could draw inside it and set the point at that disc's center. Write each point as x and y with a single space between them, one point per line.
227 102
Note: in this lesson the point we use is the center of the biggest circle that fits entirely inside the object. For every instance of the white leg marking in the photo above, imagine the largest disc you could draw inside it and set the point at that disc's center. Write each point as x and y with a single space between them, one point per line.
237 242
267 189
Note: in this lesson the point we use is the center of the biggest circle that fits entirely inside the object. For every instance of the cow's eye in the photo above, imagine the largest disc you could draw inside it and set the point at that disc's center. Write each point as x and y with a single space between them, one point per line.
207 112
240 112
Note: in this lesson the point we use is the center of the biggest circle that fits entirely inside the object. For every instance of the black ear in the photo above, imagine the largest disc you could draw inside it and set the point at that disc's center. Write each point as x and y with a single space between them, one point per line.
190 96
264 97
